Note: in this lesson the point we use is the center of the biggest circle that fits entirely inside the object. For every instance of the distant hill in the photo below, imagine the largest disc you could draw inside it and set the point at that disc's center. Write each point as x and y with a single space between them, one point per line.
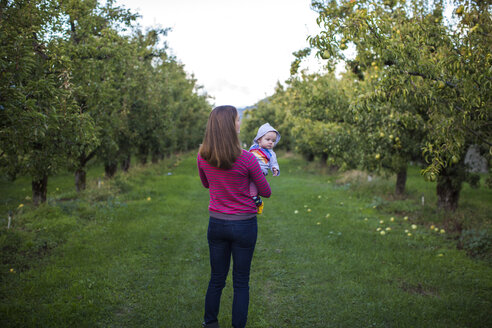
241 110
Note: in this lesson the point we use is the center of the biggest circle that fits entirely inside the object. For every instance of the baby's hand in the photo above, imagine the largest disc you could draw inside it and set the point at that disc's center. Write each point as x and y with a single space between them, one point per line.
275 172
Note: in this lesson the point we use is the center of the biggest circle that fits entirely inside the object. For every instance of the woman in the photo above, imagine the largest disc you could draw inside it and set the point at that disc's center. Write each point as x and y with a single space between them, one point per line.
226 170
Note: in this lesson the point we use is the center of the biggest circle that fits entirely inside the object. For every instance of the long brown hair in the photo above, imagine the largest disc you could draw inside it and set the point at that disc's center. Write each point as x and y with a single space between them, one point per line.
221 146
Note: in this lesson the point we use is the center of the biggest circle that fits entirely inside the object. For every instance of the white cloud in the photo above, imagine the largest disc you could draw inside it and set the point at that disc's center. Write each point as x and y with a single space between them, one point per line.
236 49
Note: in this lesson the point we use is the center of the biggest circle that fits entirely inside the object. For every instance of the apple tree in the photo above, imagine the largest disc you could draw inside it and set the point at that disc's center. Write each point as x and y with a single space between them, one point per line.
98 62
322 123
436 63
391 133
41 126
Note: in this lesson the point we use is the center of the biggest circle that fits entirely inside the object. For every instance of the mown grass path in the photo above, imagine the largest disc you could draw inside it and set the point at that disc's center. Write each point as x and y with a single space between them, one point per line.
318 263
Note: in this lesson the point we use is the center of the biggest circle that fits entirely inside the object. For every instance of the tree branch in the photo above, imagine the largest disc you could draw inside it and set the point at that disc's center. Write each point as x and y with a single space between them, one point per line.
38 47
374 32
91 155
99 57
73 31
477 135
429 78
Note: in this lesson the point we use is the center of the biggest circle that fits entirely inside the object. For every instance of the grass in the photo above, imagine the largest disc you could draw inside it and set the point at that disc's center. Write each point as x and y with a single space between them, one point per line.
133 253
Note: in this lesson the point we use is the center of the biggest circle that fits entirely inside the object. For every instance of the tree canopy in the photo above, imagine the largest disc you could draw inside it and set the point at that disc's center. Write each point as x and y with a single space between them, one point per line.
80 81
417 89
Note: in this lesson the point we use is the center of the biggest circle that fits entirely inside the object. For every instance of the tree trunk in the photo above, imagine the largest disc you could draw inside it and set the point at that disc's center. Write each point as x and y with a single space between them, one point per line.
39 189
110 169
448 187
80 172
142 154
334 168
155 157
401 180
125 164
309 157
447 193
80 176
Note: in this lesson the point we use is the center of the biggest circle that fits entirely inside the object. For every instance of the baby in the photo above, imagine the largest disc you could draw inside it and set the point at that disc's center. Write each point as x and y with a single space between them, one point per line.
266 138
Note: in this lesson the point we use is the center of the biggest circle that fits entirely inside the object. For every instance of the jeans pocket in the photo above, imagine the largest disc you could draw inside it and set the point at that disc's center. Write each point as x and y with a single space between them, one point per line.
246 234
213 230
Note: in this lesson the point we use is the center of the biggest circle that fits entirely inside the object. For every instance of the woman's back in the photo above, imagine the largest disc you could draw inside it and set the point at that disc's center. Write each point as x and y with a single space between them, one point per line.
229 189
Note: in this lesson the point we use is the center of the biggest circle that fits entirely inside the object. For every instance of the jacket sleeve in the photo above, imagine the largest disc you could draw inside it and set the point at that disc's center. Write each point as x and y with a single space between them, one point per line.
258 178
274 163
203 177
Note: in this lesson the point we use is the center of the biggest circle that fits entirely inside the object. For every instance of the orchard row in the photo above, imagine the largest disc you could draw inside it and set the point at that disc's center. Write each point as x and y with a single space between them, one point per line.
80 81
418 88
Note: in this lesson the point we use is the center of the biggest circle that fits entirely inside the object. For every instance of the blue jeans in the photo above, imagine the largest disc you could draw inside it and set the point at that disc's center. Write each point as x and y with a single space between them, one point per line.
226 238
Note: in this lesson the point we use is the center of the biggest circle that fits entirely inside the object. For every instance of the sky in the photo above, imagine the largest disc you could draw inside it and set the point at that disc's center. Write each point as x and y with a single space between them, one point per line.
236 49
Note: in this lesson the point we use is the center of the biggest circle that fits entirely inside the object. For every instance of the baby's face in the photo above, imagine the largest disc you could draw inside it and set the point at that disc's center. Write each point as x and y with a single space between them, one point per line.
268 140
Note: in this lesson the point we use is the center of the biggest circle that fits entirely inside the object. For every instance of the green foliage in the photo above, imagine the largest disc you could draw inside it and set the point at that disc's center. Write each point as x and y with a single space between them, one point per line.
477 243
406 95
311 115
77 83
318 112
40 124
421 61
488 182
122 184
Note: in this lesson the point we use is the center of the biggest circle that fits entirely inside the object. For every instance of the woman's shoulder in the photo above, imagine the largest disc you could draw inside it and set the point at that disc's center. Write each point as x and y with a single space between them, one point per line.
247 154
246 157
200 159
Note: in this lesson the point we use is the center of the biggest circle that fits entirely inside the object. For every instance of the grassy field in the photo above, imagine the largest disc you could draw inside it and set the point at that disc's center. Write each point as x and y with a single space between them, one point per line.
133 253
